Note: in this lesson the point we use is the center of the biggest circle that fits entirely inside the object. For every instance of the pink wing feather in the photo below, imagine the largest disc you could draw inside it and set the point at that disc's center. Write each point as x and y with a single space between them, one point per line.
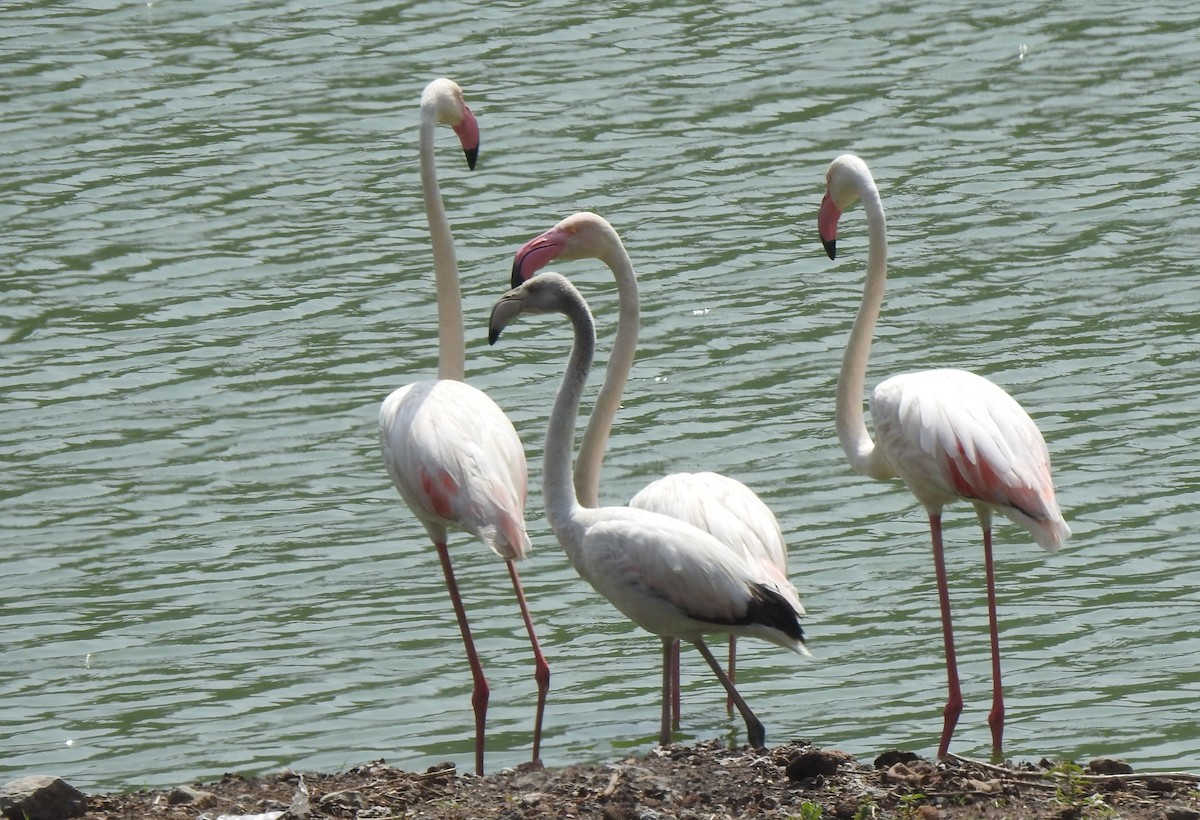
457 461
952 434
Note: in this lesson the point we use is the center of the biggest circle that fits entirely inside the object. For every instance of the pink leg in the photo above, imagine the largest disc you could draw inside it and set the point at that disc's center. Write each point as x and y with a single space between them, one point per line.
670 654
732 671
755 733
954 703
481 692
676 694
996 716
541 672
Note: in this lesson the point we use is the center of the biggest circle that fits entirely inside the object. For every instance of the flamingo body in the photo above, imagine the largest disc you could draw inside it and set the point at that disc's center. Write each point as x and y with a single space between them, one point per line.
725 508
456 460
661 574
951 434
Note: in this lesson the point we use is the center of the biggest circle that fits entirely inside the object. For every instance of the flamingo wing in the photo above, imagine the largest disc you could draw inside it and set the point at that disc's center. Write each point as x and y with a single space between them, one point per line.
722 506
952 434
674 579
457 461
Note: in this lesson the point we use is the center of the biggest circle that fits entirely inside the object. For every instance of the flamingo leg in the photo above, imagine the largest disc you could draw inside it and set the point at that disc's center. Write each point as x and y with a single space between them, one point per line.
670 653
996 715
954 702
480 692
676 688
732 671
541 673
755 734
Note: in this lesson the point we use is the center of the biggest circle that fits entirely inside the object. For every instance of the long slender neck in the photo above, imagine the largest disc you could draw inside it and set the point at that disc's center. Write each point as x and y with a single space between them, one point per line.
562 504
852 430
620 362
452 345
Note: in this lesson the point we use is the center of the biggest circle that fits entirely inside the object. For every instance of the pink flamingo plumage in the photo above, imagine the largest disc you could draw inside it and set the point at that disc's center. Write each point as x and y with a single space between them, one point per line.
947 434
451 453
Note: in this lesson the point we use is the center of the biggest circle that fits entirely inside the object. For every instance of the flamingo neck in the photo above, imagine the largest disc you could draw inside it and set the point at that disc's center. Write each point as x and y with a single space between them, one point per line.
562 504
860 449
616 374
451 335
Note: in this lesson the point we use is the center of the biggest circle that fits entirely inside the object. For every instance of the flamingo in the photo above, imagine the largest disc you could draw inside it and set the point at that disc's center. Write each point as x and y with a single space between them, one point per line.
723 506
451 453
947 434
670 578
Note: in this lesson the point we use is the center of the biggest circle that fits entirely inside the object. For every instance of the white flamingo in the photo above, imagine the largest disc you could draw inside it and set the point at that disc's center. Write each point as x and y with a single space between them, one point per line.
722 506
452 454
667 576
948 434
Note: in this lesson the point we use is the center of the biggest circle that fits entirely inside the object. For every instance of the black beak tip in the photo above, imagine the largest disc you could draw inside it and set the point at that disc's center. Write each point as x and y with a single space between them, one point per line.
472 156
516 280
830 247
493 335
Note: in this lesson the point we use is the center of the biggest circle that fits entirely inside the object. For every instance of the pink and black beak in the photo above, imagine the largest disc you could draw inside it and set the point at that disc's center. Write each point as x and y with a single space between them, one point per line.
535 255
468 134
827 222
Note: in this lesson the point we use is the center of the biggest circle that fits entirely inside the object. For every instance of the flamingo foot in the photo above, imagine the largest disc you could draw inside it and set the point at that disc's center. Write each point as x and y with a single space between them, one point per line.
996 722
954 707
479 702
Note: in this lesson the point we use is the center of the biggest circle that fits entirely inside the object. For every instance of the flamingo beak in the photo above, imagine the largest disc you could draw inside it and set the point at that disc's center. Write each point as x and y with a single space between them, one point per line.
468 134
503 312
827 222
535 255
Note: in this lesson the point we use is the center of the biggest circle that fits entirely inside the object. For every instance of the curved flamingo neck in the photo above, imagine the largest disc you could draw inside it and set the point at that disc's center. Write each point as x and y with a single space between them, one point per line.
562 503
452 348
860 449
616 374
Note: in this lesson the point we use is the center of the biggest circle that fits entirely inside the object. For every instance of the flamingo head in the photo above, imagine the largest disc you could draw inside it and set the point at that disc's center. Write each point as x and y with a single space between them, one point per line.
548 293
844 183
583 235
504 312
447 99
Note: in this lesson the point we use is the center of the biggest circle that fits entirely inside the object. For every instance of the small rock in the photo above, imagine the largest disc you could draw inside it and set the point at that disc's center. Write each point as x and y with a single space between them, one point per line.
846 810
1161 785
181 795
890 758
927 812
812 764
41 797
1182 813
1108 765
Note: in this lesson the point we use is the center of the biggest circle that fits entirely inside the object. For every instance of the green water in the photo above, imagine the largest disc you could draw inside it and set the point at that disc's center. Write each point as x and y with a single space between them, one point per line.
216 266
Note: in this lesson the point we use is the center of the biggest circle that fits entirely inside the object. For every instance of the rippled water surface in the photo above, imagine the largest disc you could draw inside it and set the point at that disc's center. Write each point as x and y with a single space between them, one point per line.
216 265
